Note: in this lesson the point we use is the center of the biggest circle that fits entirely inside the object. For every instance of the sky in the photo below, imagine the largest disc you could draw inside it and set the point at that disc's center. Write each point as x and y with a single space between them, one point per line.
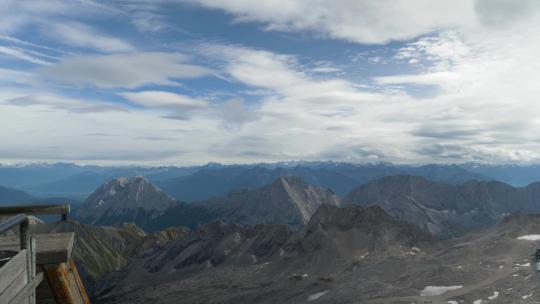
185 82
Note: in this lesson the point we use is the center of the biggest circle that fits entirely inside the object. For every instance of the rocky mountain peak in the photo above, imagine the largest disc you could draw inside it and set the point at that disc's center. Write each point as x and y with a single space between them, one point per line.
353 229
288 200
290 181
125 200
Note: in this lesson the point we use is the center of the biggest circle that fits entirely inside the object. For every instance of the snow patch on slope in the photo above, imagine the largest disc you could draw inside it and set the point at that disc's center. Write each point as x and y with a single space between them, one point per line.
317 295
494 296
430 291
530 237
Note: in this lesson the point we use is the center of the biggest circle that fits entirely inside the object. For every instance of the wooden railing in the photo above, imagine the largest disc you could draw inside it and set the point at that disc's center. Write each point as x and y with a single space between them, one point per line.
18 279
62 210
47 248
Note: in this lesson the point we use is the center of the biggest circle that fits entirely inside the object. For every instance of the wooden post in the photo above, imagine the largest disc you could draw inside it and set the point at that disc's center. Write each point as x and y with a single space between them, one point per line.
32 267
65 283
23 231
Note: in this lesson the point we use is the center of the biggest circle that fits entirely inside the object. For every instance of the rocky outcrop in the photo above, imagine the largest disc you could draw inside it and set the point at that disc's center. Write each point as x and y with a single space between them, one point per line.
100 251
354 231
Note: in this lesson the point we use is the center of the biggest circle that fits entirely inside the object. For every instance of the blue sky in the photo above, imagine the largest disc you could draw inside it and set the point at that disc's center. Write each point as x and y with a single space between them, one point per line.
238 81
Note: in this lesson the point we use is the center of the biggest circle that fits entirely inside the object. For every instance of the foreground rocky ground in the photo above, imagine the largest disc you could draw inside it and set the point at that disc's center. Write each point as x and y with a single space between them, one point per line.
344 255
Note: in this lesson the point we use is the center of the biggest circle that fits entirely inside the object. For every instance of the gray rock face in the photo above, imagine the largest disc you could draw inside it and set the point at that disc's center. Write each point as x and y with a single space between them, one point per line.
265 259
349 254
353 231
444 209
288 200
218 243
100 251
122 200
363 256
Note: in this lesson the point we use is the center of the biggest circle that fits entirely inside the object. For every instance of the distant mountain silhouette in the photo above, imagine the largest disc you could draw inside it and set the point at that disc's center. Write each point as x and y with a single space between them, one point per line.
339 177
10 196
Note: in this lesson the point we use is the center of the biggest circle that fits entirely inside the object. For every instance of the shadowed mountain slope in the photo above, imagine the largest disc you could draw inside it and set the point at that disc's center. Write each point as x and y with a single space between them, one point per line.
445 209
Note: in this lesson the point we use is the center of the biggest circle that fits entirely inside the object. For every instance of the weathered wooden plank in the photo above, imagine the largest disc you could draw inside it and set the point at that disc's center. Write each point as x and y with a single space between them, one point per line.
12 270
54 248
50 248
66 288
55 227
10 242
62 209
8 224
78 281
27 292
15 287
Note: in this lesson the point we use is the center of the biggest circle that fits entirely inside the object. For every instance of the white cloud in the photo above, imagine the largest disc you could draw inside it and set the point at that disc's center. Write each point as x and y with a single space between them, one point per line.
164 99
282 74
18 41
149 21
432 78
486 107
235 114
118 137
21 55
478 60
50 101
15 15
55 21
129 70
8 76
362 21
484 110
297 116
81 35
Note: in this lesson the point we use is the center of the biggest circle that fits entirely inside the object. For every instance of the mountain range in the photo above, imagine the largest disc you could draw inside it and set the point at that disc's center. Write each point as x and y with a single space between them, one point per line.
446 209
339 177
442 209
267 234
351 254
203 182
288 200
391 239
